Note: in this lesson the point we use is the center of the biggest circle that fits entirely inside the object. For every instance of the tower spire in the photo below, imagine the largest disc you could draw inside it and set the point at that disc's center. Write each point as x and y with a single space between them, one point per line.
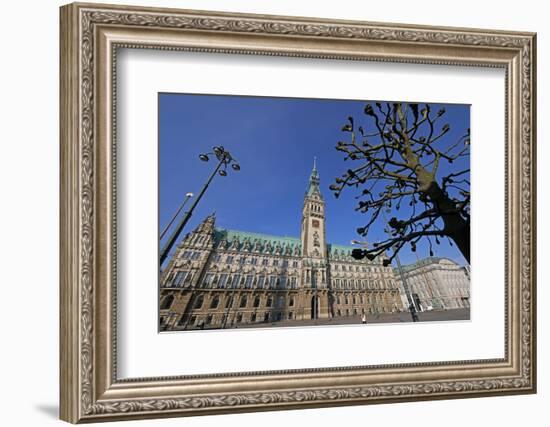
314 181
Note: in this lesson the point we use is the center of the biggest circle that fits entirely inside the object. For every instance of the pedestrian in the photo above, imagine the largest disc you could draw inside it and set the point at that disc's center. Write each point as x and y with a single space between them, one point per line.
364 319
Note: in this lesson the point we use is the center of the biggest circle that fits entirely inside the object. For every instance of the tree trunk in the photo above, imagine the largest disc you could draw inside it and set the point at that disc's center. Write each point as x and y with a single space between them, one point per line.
455 226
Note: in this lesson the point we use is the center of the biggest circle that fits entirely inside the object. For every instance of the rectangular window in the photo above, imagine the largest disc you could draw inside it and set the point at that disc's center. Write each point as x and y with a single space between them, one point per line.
285 263
261 281
207 281
188 278
295 264
275 262
223 280
217 258
293 282
236 279
196 255
254 261
248 283
282 282
271 281
265 261
242 260
178 280
229 259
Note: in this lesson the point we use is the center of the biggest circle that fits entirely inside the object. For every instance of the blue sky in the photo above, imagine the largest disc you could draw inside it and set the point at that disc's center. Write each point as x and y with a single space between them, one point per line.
274 141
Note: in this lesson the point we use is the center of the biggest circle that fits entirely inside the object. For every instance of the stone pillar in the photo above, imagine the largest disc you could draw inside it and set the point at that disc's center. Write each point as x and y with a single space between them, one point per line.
323 305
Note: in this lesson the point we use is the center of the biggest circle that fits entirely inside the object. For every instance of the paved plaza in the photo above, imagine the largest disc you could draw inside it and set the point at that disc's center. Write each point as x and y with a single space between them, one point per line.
404 317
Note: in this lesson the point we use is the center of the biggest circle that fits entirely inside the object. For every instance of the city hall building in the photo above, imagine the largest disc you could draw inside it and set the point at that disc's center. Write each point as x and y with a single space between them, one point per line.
221 278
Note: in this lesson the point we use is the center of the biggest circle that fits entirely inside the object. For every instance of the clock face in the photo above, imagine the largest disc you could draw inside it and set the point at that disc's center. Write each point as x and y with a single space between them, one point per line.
315 223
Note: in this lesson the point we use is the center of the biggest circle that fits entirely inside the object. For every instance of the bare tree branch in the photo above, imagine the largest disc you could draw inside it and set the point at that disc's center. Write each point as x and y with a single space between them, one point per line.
401 169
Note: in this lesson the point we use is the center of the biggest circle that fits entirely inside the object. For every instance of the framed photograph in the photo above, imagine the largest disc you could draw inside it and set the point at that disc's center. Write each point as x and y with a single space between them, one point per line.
266 212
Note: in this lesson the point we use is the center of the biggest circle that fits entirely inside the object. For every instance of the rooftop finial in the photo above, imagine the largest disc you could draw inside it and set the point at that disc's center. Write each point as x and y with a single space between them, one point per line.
314 162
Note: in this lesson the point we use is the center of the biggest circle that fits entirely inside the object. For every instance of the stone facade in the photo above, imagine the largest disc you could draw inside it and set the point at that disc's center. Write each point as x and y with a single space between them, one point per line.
437 284
221 278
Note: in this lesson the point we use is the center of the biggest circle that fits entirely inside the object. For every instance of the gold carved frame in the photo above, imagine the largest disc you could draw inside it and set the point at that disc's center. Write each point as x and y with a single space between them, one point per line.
90 36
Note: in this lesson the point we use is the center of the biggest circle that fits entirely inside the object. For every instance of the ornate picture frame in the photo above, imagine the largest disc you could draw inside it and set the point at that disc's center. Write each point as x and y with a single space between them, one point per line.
90 37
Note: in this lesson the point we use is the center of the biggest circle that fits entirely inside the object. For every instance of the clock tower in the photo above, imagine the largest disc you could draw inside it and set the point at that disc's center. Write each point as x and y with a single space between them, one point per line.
313 220
314 249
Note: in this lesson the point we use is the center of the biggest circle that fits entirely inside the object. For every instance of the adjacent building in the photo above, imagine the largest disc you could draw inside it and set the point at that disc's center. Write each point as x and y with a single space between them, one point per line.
220 278
437 284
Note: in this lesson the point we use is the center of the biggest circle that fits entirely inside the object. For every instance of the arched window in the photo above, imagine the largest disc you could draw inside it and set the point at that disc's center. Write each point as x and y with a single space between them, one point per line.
215 302
199 301
167 302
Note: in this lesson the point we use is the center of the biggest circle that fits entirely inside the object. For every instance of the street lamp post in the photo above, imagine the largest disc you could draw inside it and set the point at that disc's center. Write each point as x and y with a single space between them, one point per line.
224 159
411 307
187 197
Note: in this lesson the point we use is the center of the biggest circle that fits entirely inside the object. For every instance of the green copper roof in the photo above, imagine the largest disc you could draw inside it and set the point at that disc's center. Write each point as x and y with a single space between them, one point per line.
345 251
339 249
229 235
244 240
238 239
314 181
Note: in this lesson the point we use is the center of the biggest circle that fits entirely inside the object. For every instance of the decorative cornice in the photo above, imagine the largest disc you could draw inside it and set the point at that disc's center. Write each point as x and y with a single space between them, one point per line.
313 396
364 31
